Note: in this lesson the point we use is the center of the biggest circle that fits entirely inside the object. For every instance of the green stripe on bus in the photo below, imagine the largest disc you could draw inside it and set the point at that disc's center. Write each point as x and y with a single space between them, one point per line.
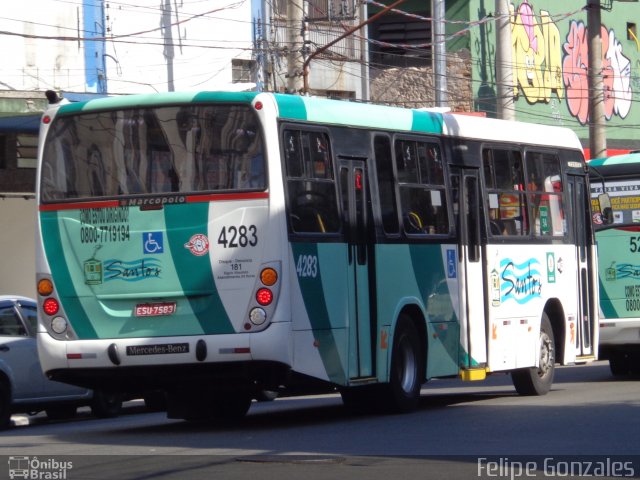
608 310
315 301
169 98
428 268
356 114
291 107
127 101
67 294
629 158
224 97
194 272
427 122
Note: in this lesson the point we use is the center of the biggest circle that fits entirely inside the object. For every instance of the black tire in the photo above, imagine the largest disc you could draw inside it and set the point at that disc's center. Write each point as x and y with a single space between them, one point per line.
619 363
155 401
208 406
61 412
106 404
232 406
363 399
402 393
5 405
538 380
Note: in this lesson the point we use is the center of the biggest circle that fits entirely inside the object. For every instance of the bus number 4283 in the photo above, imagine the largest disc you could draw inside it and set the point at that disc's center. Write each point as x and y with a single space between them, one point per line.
307 266
242 236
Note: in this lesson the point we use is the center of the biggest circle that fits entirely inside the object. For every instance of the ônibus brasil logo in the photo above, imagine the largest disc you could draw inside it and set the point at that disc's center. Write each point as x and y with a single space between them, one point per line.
38 468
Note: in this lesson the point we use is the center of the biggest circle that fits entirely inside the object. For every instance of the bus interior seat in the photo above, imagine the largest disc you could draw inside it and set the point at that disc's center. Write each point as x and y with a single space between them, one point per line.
413 223
307 219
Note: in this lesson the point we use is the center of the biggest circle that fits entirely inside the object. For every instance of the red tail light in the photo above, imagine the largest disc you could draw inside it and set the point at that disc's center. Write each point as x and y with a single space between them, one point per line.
51 306
264 296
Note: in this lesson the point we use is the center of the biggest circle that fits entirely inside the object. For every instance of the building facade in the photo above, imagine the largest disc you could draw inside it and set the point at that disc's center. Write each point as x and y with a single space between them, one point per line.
98 48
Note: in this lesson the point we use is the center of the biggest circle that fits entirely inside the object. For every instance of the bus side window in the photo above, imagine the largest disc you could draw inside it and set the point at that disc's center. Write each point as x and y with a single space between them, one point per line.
504 179
386 184
421 185
544 182
312 201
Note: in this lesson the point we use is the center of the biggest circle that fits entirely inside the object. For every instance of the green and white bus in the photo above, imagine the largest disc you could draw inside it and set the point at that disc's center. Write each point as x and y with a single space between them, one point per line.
618 257
217 245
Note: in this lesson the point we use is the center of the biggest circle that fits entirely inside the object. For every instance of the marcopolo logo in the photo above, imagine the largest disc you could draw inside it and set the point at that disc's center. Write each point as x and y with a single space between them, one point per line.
38 468
152 201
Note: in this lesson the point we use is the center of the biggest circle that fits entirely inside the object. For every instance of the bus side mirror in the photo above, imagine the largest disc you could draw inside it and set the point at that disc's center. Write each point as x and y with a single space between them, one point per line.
604 201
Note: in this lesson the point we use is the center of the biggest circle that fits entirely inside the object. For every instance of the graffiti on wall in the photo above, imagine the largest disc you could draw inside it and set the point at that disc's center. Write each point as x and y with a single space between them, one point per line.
616 73
545 67
536 55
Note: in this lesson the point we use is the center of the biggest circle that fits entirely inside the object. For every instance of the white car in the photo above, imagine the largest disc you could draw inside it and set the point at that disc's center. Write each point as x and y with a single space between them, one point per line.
23 386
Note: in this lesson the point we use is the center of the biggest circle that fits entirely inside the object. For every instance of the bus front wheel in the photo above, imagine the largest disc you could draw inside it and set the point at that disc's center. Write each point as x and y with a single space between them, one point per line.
402 393
538 380
620 363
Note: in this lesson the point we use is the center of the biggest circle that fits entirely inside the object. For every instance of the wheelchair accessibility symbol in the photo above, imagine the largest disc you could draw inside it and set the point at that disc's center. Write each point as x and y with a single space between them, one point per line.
152 242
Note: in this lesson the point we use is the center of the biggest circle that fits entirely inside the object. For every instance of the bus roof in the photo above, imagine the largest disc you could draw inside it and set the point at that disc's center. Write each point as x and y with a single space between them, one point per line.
356 114
625 159
489 129
155 99
384 117
616 166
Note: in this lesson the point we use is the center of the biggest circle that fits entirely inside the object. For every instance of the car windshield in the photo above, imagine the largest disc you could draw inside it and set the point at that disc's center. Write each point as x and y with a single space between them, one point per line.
30 315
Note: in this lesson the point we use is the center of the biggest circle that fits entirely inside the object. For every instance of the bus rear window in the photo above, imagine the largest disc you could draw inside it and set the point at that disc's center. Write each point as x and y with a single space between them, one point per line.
175 149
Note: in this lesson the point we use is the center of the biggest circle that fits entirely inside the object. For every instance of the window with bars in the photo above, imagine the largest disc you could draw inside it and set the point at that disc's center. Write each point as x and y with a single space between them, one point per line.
27 151
401 41
242 70
323 9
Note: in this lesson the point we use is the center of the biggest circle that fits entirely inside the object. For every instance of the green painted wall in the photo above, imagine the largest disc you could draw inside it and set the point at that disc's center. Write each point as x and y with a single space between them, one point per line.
550 57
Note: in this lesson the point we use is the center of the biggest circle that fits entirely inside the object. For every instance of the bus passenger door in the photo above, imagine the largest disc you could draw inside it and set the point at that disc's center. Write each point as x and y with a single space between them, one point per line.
583 338
357 222
465 184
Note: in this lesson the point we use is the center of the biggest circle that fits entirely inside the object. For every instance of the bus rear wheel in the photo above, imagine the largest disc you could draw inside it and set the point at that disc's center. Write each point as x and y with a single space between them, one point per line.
106 404
208 406
402 393
538 380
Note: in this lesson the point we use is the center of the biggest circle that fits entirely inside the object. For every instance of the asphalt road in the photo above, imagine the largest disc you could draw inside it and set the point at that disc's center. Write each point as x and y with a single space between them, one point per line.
461 430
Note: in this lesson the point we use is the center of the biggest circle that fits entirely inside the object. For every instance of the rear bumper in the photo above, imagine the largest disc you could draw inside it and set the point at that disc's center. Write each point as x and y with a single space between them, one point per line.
231 376
619 331
138 364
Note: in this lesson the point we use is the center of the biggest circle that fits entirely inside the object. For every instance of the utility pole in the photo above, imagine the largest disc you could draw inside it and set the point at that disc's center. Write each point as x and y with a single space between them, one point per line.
295 36
439 50
364 55
165 23
597 134
504 66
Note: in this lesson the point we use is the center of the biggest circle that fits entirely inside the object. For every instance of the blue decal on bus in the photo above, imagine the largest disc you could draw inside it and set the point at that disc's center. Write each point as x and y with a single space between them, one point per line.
452 269
520 282
152 242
